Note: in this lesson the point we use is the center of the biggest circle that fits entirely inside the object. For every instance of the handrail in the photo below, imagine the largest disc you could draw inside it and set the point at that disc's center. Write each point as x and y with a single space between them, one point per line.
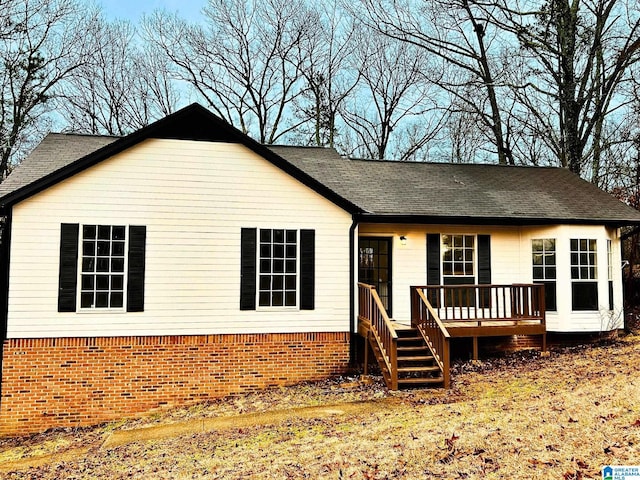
487 303
372 310
425 318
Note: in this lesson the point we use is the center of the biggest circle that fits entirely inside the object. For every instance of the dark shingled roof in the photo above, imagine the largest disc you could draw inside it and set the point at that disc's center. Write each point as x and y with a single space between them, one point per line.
400 191
440 192
57 150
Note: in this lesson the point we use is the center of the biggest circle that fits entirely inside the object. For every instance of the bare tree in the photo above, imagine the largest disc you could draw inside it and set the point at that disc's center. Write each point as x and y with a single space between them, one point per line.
240 61
42 43
575 57
123 86
325 66
457 32
392 93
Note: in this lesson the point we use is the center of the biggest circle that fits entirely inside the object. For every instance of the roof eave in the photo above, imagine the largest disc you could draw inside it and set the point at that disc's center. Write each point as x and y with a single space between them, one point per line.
488 220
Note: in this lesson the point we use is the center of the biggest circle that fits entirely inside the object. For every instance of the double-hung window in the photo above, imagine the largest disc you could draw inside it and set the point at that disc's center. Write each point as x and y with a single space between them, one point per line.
584 274
278 268
102 267
458 268
544 268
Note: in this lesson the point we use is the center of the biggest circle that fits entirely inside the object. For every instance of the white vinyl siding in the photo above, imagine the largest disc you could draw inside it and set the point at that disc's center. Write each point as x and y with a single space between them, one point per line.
194 198
510 263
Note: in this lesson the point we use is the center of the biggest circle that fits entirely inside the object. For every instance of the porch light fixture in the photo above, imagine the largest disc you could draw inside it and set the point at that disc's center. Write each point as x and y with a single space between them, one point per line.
403 240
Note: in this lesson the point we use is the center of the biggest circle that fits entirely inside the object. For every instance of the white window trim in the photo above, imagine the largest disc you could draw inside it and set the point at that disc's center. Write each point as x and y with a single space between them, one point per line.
105 310
475 255
278 308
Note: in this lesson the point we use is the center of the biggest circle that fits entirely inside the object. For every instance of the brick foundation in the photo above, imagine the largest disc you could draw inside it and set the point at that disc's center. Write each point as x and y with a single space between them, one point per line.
64 382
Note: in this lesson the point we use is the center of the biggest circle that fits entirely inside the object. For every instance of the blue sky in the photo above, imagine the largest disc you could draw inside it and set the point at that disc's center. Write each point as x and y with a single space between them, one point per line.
133 9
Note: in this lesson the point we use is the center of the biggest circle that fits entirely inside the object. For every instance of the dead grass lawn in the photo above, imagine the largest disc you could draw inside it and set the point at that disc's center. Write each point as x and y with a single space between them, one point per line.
523 416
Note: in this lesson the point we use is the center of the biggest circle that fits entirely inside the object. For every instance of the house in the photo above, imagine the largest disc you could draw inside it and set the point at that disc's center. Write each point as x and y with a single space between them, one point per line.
186 261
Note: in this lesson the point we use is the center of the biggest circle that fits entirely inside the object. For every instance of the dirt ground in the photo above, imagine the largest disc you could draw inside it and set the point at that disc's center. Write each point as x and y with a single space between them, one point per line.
519 416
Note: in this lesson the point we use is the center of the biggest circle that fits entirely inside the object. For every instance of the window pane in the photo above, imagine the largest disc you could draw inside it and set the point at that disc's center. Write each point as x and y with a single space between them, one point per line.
278 266
574 244
550 273
447 269
468 269
117 282
102 299
263 299
116 300
536 245
290 282
457 241
86 300
88 264
538 273
102 265
278 236
277 299
89 248
550 259
102 282
291 236
290 266
447 256
278 251
550 244
468 241
265 250
87 282
291 251
117 249
104 232
265 266
290 299
117 264
265 235
104 249
118 233
537 259
277 282
584 295
89 231
265 282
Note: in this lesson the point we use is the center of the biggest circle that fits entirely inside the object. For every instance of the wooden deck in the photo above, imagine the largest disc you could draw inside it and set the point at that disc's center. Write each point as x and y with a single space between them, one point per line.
439 313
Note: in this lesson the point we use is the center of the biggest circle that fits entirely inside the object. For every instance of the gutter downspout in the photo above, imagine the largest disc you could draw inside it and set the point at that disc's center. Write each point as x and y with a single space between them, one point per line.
352 292
5 249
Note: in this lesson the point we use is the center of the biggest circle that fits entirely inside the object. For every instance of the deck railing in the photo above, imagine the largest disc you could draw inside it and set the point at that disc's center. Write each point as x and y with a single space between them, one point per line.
372 311
425 318
517 303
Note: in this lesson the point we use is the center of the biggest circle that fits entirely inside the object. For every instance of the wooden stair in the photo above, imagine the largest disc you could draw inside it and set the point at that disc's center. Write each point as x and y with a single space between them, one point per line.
415 365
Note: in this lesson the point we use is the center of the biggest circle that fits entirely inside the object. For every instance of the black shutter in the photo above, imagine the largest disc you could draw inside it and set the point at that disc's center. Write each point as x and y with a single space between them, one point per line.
135 272
68 275
484 268
433 259
307 269
484 259
248 237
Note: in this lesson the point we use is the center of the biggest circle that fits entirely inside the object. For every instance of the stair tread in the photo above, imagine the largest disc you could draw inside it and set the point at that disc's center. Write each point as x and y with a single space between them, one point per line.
410 339
433 368
415 358
421 380
412 348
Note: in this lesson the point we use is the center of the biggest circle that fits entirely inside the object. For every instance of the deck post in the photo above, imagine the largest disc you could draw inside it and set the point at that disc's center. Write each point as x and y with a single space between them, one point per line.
366 354
544 342
475 348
